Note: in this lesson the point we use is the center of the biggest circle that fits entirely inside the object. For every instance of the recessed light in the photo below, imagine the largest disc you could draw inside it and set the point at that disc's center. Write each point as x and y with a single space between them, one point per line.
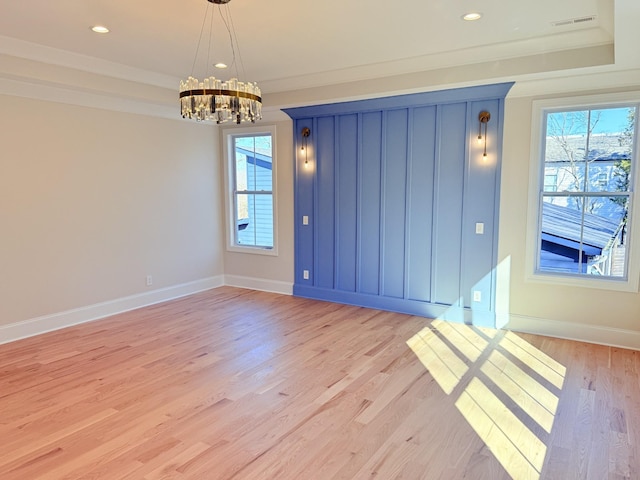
471 16
100 29
220 65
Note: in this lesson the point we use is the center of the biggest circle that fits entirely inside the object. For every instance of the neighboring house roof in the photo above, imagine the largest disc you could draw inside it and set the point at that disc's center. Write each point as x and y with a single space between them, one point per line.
602 147
257 158
562 225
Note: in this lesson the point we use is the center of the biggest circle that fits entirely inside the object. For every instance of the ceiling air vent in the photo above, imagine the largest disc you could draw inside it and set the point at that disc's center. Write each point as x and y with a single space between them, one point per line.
573 21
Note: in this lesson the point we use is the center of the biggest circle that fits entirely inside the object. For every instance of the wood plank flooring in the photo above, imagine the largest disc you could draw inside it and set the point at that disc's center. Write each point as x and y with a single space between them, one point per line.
236 384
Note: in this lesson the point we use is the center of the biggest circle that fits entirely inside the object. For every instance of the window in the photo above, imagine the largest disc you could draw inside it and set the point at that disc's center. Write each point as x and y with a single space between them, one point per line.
584 206
250 187
603 179
550 182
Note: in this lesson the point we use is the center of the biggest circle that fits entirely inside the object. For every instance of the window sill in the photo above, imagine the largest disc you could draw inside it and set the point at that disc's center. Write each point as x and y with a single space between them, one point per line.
599 283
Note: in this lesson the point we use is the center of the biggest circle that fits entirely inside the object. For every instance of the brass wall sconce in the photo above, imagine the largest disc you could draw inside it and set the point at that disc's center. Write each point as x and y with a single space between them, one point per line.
483 119
306 132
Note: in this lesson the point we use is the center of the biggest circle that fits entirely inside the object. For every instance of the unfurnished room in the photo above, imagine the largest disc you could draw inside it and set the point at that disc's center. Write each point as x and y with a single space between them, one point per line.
310 241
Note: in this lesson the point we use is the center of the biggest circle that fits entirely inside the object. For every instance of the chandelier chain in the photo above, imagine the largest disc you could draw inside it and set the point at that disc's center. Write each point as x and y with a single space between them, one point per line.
235 37
195 58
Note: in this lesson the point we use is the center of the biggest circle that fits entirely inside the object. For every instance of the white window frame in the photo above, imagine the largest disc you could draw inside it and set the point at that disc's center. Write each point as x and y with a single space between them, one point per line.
228 134
536 181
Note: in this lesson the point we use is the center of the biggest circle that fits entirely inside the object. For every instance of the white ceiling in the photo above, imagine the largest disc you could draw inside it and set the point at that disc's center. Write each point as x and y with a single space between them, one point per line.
289 45
298 38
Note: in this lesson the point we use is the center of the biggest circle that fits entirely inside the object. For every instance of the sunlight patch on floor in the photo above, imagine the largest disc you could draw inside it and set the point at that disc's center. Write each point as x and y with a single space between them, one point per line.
534 399
511 388
444 365
533 358
517 449
466 340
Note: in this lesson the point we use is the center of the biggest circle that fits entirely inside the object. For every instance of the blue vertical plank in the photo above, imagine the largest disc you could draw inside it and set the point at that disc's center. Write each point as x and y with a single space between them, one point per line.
447 235
346 200
479 207
393 208
304 205
420 203
369 205
325 226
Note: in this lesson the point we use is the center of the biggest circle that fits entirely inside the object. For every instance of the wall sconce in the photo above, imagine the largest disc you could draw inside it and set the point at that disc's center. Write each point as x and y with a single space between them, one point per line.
305 135
483 119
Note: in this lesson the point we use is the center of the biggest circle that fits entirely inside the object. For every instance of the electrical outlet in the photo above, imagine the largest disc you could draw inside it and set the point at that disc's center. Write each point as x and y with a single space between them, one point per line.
477 296
305 274
149 280
305 219
480 228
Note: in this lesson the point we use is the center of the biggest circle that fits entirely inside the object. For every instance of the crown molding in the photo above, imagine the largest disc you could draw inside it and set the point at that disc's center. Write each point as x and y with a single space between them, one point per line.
63 58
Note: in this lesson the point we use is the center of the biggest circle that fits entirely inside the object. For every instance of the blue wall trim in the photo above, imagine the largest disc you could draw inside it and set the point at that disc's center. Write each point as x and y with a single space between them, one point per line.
393 191
409 307
454 95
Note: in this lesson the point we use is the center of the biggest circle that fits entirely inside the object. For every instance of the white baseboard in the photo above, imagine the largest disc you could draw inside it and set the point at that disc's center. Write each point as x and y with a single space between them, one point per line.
56 321
265 285
613 337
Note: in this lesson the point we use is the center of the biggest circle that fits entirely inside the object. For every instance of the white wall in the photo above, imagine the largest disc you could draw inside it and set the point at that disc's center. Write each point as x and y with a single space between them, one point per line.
92 201
601 316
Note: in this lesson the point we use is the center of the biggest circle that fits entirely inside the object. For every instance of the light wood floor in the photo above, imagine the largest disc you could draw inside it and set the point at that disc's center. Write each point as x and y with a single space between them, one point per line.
234 384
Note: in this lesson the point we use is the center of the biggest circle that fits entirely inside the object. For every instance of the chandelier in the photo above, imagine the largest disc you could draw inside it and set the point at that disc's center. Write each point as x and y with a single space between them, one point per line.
216 100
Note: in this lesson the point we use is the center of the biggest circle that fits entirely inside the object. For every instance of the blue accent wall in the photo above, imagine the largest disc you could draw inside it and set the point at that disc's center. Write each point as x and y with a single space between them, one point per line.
393 190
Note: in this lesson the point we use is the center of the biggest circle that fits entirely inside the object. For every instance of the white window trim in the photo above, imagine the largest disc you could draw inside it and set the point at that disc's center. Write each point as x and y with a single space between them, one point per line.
536 176
227 137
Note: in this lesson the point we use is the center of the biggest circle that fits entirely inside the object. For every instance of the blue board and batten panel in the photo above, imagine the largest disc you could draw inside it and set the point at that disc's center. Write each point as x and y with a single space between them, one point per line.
369 175
393 191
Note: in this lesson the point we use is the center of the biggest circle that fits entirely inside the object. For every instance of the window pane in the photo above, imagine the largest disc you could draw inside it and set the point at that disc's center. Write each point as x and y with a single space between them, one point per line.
589 150
255 220
605 229
253 163
565 149
561 233
242 172
610 145
583 235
